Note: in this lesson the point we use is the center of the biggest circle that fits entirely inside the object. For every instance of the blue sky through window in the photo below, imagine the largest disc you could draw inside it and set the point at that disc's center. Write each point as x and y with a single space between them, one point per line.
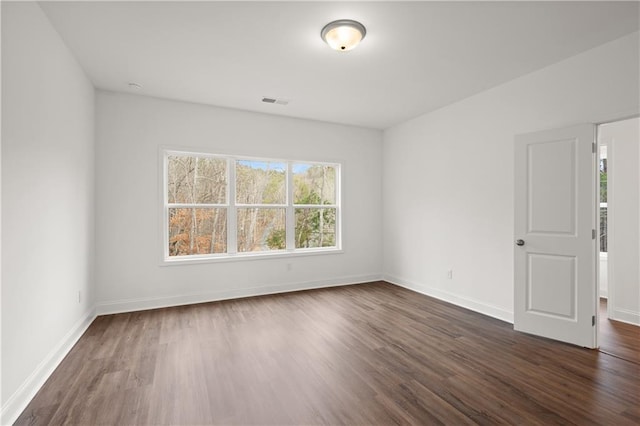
263 165
301 168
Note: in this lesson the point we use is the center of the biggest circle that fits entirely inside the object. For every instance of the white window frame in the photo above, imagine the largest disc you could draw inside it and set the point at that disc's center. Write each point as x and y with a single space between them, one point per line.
232 211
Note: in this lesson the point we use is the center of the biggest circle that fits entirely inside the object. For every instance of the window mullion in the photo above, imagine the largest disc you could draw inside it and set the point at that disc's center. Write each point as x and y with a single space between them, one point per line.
195 206
232 215
262 206
290 213
316 206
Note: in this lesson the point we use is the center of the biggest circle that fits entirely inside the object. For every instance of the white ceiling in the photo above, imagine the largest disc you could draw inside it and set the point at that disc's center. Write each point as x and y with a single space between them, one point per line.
416 57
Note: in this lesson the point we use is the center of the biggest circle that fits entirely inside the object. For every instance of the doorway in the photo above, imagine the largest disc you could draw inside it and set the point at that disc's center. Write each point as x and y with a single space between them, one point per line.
619 242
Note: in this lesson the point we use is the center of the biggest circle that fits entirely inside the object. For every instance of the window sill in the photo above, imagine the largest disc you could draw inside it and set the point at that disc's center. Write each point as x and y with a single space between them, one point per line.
239 257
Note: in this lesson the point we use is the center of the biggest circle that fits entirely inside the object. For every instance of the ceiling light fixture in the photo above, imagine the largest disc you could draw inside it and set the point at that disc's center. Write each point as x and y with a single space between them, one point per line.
343 34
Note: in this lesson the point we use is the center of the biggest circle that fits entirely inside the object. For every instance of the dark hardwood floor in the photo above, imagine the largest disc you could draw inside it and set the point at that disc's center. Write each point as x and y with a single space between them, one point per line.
618 338
365 354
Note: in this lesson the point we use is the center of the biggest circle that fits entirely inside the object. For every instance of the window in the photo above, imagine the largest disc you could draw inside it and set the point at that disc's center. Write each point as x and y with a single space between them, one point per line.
261 200
314 197
196 205
222 206
603 199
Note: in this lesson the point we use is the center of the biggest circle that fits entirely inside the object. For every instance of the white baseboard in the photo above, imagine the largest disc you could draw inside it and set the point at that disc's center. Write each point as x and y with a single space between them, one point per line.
141 304
464 302
17 402
625 315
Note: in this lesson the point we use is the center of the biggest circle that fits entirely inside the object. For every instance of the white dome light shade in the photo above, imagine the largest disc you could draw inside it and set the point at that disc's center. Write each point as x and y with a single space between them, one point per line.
343 35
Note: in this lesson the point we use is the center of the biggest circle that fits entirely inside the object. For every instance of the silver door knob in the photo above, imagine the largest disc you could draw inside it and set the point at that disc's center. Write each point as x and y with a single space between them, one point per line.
520 242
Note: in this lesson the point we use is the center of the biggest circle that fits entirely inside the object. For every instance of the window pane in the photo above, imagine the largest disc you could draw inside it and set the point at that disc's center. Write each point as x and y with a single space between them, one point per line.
197 231
260 182
261 229
197 180
603 180
314 184
315 227
603 230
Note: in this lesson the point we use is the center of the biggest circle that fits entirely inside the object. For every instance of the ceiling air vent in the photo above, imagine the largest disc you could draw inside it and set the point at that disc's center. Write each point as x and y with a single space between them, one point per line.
275 101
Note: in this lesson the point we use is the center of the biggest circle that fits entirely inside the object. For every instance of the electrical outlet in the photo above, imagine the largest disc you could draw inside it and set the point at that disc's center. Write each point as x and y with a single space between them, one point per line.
79 296
450 274
289 266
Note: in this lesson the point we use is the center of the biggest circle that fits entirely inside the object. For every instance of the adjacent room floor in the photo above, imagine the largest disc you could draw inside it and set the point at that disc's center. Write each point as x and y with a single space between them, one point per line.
363 354
618 338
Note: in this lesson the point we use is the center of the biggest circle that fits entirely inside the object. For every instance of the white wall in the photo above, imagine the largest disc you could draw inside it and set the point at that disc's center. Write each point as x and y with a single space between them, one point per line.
623 143
448 175
47 202
130 131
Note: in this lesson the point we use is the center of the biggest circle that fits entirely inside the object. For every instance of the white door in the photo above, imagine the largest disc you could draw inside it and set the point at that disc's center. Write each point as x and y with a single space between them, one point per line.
555 246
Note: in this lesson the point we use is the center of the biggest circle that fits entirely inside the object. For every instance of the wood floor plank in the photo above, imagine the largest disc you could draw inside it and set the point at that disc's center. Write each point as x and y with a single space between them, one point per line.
369 354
